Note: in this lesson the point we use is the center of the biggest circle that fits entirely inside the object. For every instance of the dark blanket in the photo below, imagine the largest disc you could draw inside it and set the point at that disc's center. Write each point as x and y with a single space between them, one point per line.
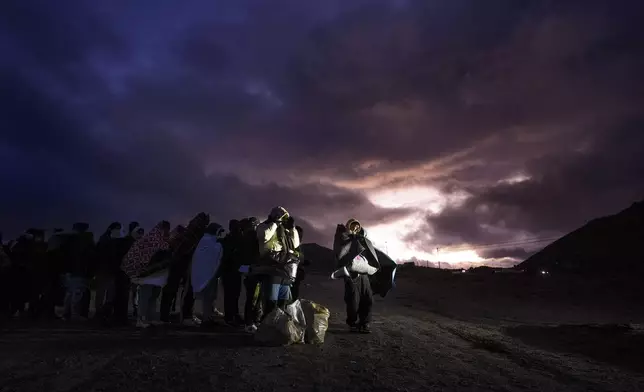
185 244
347 246
383 280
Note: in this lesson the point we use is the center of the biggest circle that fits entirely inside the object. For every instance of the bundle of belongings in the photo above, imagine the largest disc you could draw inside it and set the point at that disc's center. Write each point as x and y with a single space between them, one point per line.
356 255
302 322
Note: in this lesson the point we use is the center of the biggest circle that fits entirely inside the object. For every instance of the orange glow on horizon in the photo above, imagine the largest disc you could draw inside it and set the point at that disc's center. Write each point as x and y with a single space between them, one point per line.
426 200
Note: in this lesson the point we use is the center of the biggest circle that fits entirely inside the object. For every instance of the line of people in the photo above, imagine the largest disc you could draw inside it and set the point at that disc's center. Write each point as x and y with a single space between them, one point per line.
263 258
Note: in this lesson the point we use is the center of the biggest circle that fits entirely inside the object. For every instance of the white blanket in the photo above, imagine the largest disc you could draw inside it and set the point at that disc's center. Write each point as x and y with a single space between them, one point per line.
205 262
158 279
361 266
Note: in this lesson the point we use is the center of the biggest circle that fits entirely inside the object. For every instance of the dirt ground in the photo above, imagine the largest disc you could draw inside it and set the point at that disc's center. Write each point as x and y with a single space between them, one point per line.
420 342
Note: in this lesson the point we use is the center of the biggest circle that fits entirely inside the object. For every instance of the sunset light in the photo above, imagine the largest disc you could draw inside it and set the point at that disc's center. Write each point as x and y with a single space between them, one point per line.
424 200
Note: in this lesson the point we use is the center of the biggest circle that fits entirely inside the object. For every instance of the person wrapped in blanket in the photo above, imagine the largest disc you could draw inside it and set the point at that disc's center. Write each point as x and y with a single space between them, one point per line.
183 248
249 255
278 259
204 270
357 259
145 264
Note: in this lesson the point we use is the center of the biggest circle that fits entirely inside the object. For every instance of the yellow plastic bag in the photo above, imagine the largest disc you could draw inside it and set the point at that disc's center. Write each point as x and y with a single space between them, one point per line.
279 329
317 321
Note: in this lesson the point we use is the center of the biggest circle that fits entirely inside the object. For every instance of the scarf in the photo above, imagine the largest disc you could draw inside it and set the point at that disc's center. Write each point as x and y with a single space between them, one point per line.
138 257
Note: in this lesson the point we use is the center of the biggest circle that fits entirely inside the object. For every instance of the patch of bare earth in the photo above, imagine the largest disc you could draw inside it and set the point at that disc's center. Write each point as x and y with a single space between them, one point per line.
411 349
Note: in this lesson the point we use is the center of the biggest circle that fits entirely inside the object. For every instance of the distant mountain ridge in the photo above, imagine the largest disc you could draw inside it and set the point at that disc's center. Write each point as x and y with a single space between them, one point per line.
321 257
612 244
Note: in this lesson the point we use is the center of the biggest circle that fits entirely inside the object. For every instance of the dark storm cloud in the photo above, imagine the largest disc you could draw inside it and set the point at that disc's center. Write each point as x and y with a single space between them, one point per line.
62 169
132 112
564 192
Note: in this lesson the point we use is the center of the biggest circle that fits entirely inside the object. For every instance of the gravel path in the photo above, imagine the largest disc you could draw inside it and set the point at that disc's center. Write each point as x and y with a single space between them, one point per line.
409 350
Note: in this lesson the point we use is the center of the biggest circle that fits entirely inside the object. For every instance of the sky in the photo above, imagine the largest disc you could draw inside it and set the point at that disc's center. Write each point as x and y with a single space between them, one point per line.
463 131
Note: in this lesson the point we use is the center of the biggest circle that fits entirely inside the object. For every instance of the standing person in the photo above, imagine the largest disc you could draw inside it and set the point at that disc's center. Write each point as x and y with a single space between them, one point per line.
38 273
230 275
79 252
277 244
55 291
138 258
204 274
5 281
175 239
26 265
249 254
109 256
351 248
181 258
122 283
133 291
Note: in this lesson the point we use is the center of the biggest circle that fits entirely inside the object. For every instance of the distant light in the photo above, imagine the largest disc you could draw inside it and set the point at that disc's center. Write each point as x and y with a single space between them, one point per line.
463 271
544 272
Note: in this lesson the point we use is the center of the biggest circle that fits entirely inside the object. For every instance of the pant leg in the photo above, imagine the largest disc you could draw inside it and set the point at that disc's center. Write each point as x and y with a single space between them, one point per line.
121 297
145 293
79 289
101 293
110 295
352 300
86 298
67 301
154 300
270 291
232 292
169 293
284 293
148 295
209 297
366 300
188 303
50 291
284 296
35 289
135 289
253 288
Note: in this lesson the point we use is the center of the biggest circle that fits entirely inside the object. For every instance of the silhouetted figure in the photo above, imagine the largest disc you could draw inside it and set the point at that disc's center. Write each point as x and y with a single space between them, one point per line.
229 272
182 251
350 244
79 254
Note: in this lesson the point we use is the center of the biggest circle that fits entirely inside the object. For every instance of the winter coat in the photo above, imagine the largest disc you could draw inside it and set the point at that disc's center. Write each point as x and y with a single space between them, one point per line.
277 251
